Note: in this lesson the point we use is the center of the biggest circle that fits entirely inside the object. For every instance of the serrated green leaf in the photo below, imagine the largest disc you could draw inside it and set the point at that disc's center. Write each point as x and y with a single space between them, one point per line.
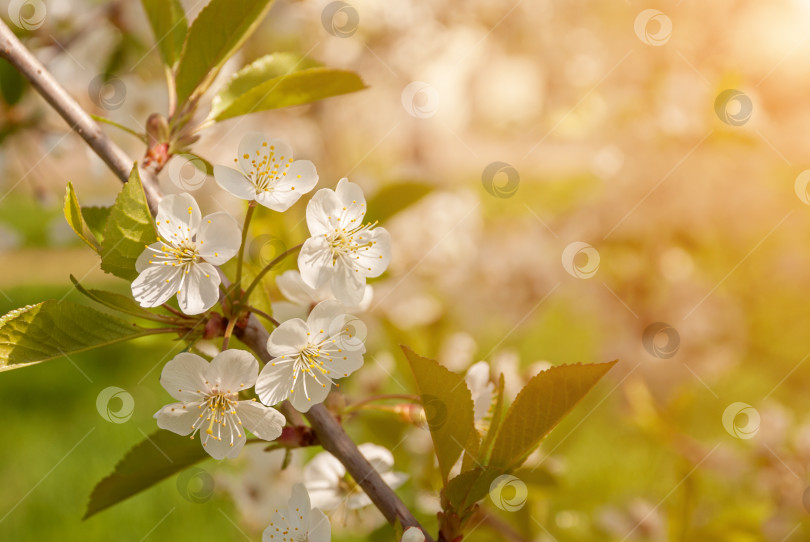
73 215
494 424
162 454
53 329
168 21
128 230
448 406
96 219
539 406
470 487
218 31
296 88
393 198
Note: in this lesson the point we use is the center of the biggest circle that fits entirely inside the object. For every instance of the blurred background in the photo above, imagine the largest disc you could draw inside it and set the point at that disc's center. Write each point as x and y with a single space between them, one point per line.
589 181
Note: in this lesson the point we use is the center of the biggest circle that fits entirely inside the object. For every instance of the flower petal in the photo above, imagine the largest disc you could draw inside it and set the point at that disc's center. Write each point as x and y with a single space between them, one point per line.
275 381
275 532
352 200
380 457
324 471
375 259
348 285
200 289
219 238
315 261
147 256
178 417
263 421
326 320
413 534
234 182
298 510
288 338
184 377
229 444
293 287
308 391
178 217
233 371
319 528
323 210
156 285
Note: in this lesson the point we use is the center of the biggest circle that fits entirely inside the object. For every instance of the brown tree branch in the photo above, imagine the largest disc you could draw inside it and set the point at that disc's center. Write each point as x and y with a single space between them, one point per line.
68 108
254 335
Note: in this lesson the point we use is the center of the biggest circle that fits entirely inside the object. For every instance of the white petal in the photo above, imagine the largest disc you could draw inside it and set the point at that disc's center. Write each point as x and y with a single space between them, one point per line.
233 370
357 501
229 445
178 417
156 285
348 285
200 289
274 382
316 392
413 534
178 217
344 363
278 200
293 287
319 528
394 479
301 177
278 525
323 210
380 457
184 377
365 303
253 145
374 261
219 238
264 422
234 182
146 257
327 319
298 509
478 381
315 261
283 311
288 338
352 199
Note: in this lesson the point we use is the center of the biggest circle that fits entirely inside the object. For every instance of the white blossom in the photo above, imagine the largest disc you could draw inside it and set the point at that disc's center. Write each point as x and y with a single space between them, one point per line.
308 356
342 251
299 522
182 261
208 395
268 173
413 534
330 487
302 297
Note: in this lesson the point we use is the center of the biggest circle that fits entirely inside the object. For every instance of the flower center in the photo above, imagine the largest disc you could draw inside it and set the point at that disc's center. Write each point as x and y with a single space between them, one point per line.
218 416
268 168
347 241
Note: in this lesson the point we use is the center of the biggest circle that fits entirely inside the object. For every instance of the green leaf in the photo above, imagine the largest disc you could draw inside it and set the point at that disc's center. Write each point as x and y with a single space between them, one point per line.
218 31
162 454
280 80
96 219
52 329
539 406
74 217
12 83
128 230
448 408
393 198
117 302
494 424
168 21
469 487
